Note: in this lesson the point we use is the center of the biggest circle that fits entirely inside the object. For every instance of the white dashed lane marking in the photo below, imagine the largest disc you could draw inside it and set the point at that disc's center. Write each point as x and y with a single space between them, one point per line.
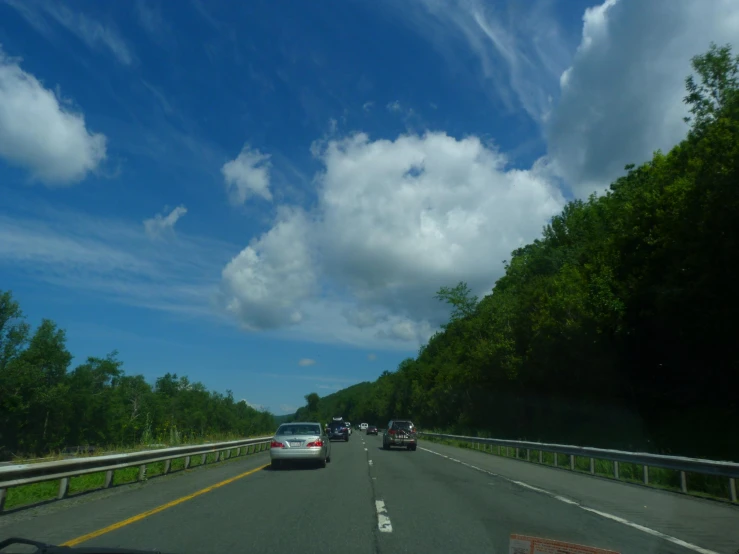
383 521
654 533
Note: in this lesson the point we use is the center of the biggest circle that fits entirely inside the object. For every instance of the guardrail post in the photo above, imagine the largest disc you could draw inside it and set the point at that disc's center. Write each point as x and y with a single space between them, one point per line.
142 472
203 457
541 456
683 482
556 460
63 487
108 478
498 450
3 496
167 466
517 452
615 470
528 455
187 462
646 475
732 492
592 466
238 452
572 462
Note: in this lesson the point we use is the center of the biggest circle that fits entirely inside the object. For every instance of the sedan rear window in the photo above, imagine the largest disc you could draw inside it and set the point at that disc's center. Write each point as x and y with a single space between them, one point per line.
299 430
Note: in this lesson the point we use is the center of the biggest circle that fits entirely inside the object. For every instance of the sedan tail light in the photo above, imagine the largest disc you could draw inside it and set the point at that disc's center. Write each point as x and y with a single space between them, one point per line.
276 444
318 442
391 432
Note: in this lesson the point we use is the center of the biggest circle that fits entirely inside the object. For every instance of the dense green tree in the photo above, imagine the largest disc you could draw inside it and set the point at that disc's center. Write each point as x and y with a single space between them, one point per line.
44 406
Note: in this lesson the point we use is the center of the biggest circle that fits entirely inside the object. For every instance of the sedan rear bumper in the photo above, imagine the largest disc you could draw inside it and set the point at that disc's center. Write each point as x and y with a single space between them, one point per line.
315 454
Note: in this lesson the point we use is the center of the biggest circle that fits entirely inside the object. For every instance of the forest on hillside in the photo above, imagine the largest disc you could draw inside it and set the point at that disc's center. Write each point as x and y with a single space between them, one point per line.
45 406
616 328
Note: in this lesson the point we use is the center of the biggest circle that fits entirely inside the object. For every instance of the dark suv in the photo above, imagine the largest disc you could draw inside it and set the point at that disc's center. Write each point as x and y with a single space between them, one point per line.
338 430
400 432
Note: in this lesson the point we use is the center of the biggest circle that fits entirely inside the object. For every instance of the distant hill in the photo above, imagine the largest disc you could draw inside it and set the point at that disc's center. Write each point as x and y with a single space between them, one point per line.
280 419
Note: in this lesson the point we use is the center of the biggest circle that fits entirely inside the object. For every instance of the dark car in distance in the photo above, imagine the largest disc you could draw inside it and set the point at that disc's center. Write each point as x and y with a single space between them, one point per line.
372 430
337 430
400 432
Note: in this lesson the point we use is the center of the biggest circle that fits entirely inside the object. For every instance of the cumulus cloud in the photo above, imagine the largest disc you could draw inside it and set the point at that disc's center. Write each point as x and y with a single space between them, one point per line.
395 220
266 283
247 175
371 357
163 225
622 97
39 133
306 362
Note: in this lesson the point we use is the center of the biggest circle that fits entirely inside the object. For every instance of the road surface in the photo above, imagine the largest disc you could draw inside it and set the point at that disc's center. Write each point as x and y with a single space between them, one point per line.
370 501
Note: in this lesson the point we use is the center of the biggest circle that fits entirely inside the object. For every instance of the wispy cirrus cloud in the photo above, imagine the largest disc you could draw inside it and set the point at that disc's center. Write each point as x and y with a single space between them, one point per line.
306 362
42 15
113 258
520 47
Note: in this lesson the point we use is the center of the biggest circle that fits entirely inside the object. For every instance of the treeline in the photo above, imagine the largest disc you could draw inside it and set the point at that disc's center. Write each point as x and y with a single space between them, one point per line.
45 407
618 327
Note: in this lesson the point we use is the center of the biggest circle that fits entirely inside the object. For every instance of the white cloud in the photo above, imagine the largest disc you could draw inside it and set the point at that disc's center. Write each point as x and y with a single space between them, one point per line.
247 175
367 106
395 220
93 33
163 225
258 407
306 362
266 283
394 106
288 409
40 134
622 97
371 357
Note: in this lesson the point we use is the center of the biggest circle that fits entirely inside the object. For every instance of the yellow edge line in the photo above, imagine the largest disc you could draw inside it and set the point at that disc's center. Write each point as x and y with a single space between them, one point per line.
142 515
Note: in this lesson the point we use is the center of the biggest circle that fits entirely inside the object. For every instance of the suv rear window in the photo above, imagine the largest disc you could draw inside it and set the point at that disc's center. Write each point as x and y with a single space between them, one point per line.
335 425
405 425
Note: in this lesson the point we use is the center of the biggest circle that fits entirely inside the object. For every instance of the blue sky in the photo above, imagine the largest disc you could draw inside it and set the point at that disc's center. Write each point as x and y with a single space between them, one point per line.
265 196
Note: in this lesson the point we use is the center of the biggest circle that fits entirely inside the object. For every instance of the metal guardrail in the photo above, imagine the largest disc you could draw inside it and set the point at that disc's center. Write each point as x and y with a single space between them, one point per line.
682 464
63 470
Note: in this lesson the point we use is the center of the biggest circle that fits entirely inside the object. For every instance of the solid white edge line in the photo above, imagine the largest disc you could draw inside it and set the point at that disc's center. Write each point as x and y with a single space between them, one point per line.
606 515
383 521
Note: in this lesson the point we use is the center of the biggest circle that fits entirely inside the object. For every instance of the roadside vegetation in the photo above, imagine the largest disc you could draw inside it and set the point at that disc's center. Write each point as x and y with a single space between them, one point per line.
616 328
46 407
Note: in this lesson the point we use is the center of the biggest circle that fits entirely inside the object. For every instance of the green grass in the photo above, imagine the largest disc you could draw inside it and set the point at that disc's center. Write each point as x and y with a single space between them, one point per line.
706 486
48 490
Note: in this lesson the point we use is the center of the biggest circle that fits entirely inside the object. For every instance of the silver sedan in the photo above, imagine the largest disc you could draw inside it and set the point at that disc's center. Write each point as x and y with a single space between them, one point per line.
300 441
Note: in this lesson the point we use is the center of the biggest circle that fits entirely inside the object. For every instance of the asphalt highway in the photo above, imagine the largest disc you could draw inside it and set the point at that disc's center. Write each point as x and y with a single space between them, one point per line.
438 499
